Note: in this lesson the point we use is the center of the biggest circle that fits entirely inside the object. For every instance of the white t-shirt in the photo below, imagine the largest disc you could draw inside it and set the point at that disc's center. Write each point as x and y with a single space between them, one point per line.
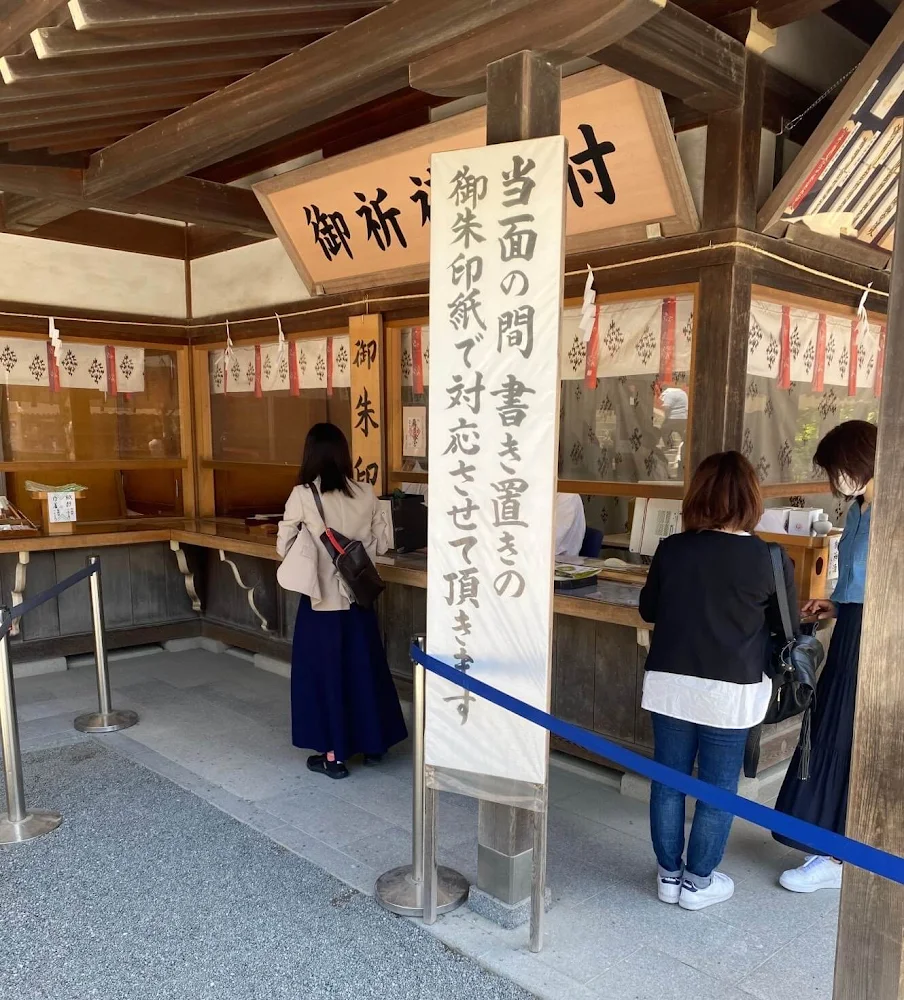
674 402
571 525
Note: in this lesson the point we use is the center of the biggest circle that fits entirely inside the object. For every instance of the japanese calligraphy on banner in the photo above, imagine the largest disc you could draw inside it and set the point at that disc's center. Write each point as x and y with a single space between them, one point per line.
364 217
74 365
366 353
804 346
319 363
496 257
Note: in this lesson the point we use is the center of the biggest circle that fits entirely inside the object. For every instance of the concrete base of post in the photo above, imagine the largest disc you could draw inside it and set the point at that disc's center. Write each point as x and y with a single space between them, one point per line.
505 915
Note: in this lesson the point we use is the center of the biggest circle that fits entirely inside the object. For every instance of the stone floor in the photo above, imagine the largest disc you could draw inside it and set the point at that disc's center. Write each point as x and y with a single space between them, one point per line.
217 726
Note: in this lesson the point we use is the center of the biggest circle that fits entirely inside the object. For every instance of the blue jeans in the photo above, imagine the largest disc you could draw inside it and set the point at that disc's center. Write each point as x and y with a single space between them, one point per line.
719 754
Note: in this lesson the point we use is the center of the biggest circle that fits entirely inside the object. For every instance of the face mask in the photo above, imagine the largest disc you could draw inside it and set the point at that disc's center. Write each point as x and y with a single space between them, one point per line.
848 487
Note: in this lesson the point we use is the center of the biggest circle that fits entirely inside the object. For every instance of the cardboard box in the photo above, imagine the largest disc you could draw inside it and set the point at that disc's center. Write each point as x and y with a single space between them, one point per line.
800 520
775 520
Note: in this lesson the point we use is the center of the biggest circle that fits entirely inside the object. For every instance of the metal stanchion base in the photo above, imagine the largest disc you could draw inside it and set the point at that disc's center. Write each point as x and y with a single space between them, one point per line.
397 891
105 722
36 824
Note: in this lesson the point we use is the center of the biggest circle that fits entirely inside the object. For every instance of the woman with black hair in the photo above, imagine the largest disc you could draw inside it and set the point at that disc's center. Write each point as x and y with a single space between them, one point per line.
847 454
343 699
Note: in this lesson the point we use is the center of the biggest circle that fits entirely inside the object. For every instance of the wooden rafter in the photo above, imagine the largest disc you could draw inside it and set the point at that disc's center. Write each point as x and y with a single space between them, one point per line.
104 15
777 13
27 66
186 199
63 41
75 110
20 19
369 59
125 121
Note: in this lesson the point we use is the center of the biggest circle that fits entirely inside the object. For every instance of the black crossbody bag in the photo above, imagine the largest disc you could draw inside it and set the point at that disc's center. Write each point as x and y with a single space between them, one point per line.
352 562
793 665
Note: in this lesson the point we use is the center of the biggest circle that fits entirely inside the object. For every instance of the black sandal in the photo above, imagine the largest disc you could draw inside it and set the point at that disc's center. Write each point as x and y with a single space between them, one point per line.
331 768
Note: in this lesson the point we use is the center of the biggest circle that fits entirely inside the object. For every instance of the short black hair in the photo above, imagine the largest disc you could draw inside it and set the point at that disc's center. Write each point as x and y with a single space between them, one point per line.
850 450
327 458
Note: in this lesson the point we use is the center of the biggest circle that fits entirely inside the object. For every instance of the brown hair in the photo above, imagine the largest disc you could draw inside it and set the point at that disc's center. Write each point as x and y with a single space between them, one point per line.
848 449
724 493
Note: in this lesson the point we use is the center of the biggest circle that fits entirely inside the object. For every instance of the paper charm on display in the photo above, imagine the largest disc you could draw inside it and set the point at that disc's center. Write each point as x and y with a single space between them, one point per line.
496 272
53 335
588 308
416 358
61 506
414 423
764 344
281 366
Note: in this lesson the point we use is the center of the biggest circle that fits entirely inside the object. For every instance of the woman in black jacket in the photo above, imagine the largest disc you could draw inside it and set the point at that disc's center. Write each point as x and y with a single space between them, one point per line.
711 595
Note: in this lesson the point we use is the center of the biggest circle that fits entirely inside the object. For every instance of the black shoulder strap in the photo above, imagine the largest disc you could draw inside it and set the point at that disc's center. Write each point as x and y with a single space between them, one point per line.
319 502
781 590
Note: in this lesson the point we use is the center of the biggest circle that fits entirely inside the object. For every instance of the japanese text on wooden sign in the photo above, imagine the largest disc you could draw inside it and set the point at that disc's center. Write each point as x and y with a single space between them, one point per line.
495 305
366 353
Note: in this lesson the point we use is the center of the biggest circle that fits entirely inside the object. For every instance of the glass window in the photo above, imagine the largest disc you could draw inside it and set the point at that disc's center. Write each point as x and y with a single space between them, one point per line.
807 372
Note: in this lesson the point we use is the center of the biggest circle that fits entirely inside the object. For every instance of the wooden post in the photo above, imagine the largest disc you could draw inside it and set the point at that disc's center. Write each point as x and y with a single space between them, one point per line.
366 345
523 102
868 962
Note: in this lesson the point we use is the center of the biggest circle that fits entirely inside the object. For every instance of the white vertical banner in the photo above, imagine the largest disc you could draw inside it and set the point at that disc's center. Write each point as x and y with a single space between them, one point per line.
496 285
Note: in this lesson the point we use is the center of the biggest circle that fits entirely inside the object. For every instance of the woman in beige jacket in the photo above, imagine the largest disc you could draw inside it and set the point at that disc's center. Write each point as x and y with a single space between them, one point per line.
344 701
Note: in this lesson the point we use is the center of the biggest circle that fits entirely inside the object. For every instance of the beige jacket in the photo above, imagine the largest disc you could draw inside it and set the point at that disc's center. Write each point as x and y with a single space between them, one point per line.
307 567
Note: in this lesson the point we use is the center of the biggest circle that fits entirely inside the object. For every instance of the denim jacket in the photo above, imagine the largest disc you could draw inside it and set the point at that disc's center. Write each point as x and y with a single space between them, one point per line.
852 552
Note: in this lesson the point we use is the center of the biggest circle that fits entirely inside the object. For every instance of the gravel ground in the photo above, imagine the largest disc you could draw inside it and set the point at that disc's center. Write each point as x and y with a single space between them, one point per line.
147 892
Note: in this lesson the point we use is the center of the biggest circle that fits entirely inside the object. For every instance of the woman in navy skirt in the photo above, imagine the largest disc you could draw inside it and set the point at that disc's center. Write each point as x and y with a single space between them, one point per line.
344 701
847 454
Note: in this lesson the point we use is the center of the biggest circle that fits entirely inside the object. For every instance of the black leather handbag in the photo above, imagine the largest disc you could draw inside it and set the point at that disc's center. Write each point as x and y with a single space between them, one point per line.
352 562
793 665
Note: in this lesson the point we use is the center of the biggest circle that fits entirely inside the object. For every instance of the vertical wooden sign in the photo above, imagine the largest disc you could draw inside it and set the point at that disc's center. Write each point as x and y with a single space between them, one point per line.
366 350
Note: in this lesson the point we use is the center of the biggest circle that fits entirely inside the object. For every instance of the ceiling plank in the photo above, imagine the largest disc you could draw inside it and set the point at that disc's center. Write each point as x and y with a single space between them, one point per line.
24 17
777 13
76 126
142 79
567 27
186 199
27 66
63 41
366 60
12 101
39 159
203 242
865 19
105 14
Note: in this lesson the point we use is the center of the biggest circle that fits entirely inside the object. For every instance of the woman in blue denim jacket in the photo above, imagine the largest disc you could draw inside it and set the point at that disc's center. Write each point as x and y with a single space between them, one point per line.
847 454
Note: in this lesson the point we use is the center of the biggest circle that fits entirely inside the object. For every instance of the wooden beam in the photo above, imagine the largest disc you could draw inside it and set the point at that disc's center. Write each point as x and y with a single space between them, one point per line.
142 80
22 19
104 15
117 232
749 30
733 157
835 246
74 111
565 29
869 958
63 41
12 100
79 126
186 199
39 159
683 56
28 67
203 242
777 13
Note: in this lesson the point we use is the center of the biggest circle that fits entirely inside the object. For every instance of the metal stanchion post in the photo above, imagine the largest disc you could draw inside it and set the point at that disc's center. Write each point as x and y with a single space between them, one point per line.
104 720
401 890
19 823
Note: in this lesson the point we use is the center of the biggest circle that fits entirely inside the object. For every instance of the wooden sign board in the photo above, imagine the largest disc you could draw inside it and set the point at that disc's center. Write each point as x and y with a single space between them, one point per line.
366 349
844 181
362 219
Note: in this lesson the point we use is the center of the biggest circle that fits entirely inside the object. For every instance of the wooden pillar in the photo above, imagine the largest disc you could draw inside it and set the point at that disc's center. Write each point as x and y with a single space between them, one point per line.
868 963
523 102
723 305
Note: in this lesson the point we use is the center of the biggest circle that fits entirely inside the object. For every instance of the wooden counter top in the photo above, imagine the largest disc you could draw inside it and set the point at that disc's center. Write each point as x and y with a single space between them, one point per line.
607 602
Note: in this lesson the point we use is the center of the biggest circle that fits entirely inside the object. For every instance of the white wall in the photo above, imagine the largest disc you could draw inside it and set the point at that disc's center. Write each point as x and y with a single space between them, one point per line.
48 273
257 276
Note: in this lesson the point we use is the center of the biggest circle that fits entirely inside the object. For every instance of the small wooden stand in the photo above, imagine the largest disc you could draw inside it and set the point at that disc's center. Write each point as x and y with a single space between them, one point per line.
810 555
55 527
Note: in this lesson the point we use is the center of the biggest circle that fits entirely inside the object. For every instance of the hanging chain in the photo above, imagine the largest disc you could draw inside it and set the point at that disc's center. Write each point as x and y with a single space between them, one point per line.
788 126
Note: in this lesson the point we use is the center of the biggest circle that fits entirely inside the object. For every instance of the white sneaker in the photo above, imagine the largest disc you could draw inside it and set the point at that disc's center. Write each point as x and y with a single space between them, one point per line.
668 887
692 898
817 872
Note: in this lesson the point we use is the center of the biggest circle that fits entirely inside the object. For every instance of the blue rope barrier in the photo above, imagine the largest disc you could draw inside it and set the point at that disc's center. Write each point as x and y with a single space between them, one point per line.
46 595
821 841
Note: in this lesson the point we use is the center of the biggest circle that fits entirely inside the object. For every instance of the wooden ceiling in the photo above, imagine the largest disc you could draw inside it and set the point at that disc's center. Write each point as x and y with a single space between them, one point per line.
111 109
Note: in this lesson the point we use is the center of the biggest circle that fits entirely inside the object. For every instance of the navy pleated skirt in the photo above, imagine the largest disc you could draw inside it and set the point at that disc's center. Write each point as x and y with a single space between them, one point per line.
343 697
822 799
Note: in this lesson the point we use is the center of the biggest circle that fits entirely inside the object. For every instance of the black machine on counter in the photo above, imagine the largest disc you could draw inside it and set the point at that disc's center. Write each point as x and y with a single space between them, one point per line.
409 521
